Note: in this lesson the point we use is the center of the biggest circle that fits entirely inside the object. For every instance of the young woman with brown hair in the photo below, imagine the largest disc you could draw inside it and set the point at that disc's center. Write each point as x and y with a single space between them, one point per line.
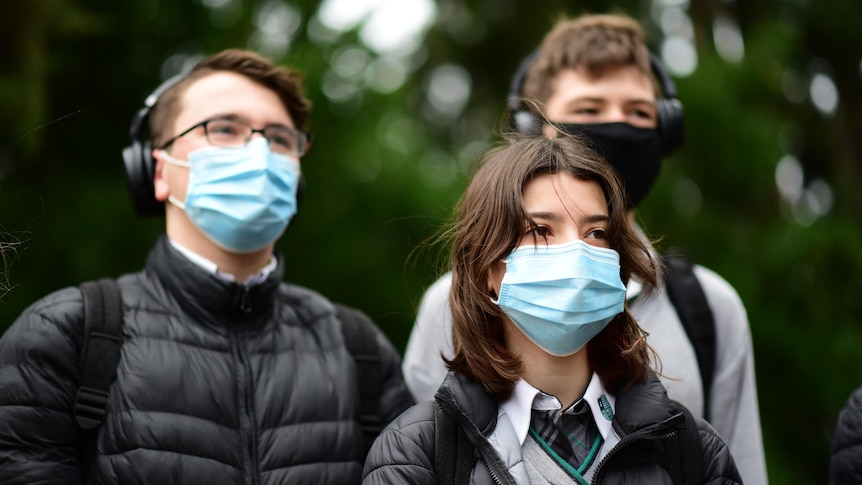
551 379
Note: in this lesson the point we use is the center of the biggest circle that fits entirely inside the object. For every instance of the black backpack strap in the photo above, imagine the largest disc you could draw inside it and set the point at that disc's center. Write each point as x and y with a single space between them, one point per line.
100 352
100 356
687 296
688 450
361 341
453 452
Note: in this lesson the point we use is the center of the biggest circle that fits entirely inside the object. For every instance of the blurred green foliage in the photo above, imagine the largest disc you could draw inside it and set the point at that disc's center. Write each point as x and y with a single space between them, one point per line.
384 174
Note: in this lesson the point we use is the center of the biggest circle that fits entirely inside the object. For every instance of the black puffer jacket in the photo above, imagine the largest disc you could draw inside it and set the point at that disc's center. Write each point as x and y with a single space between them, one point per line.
404 452
216 384
845 465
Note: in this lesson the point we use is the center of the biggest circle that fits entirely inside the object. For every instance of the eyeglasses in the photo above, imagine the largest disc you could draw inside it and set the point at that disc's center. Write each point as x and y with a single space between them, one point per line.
233 134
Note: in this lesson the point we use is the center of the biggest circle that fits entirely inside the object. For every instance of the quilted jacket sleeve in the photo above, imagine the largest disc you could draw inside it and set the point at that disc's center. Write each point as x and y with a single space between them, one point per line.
718 464
38 375
404 451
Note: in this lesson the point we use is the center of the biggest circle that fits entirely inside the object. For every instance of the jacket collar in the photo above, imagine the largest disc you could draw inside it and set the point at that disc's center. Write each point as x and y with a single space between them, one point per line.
472 405
645 405
206 296
637 408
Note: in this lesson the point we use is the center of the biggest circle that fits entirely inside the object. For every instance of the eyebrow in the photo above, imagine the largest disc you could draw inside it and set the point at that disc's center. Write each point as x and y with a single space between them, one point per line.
601 100
640 102
243 119
587 99
228 116
555 217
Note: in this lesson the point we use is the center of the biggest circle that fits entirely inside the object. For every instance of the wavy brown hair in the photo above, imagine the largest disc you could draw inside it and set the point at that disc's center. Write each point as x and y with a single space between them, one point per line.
590 44
284 81
489 225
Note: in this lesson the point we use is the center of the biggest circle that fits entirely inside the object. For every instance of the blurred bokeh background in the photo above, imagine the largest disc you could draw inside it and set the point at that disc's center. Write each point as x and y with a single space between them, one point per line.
407 94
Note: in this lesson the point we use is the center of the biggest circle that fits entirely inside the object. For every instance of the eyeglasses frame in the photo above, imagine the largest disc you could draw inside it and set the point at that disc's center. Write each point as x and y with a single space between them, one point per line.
204 123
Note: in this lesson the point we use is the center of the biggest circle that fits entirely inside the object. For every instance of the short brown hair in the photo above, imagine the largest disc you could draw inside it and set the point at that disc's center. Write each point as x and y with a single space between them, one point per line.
592 43
284 81
490 224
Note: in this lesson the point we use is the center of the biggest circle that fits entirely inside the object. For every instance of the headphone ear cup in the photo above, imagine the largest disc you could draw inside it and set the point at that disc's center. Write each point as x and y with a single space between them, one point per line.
670 124
138 157
140 170
668 109
524 121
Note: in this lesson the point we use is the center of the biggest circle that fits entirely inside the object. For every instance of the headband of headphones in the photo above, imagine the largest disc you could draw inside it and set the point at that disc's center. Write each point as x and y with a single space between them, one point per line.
140 166
668 109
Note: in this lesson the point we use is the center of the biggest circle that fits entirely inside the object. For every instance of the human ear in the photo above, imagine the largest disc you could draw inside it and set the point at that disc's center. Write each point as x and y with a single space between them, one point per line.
160 182
495 278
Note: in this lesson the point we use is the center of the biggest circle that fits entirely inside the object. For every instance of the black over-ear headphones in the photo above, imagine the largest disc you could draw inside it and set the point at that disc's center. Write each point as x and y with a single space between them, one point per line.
140 164
138 157
668 109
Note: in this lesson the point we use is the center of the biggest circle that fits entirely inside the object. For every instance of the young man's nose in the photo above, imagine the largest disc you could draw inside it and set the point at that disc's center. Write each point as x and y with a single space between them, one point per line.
614 114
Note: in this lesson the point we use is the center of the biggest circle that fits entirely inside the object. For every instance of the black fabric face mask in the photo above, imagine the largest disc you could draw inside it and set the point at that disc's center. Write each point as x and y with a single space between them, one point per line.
635 153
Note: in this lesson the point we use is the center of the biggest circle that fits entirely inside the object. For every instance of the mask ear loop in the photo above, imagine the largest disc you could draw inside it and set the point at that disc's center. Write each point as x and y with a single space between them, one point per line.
175 161
173 200
493 294
179 163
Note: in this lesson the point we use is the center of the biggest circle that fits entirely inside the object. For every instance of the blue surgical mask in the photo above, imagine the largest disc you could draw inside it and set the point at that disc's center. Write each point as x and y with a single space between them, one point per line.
241 198
561 296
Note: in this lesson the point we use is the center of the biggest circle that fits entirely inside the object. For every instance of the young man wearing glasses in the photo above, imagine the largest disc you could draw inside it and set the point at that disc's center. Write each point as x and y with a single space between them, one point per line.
225 373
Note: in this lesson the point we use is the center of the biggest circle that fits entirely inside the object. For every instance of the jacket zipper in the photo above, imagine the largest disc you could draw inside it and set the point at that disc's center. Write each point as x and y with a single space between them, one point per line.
245 300
247 428
491 472
483 450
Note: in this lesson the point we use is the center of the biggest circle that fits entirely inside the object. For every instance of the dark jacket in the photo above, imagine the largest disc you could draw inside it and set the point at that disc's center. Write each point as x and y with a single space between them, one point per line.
404 452
845 465
217 383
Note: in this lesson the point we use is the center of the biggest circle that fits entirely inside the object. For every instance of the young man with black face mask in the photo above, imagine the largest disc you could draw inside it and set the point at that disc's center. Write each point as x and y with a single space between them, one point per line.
225 374
593 76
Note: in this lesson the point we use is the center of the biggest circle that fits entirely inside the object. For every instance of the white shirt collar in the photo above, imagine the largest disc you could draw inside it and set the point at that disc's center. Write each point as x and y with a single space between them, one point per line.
525 398
212 268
